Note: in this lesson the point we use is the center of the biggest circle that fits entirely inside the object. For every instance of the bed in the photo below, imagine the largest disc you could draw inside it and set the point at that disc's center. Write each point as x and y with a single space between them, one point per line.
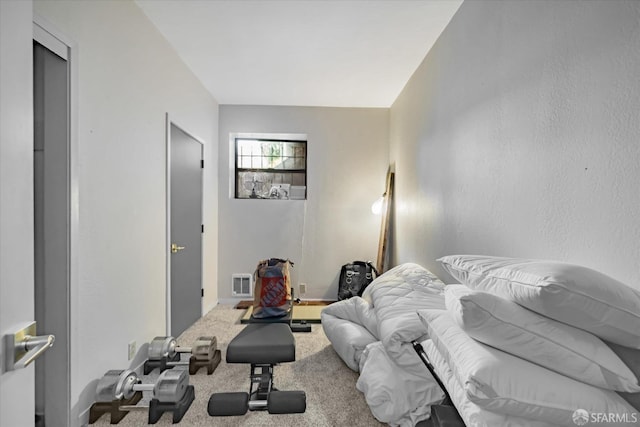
516 343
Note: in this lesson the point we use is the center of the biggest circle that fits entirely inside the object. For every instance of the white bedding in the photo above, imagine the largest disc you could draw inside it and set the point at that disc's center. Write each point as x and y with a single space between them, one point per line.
345 324
472 414
373 335
396 298
395 395
501 382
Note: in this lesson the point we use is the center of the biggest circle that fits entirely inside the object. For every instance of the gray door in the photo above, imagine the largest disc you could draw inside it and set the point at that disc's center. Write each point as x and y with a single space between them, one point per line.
186 229
51 231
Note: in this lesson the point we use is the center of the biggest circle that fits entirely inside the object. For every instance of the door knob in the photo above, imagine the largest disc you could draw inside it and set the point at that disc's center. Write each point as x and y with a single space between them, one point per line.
23 347
175 248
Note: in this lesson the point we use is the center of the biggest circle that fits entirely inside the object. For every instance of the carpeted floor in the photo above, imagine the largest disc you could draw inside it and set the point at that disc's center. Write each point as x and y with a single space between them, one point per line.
332 398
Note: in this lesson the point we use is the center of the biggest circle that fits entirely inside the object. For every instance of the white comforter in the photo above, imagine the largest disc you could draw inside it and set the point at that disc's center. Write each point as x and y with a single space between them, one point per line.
373 335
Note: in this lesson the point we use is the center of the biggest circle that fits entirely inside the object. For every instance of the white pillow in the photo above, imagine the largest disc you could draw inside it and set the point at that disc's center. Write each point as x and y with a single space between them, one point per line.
506 384
472 414
631 357
509 327
575 295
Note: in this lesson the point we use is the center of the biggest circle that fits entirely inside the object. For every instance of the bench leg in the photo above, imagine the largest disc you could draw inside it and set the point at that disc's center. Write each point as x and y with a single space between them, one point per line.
261 386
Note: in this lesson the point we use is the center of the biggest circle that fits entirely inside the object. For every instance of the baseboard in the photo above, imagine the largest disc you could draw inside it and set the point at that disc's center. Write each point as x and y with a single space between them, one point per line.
229 301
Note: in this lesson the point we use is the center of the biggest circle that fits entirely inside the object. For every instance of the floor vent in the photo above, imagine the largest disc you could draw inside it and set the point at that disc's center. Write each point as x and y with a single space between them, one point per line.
241 285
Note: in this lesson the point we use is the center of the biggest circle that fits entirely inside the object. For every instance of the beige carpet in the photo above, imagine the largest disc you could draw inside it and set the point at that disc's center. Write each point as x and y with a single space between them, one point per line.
332 398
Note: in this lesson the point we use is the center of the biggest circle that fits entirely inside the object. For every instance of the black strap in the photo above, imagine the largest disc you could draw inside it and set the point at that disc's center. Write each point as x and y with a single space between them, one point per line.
423 356
273 261
373 269
369 266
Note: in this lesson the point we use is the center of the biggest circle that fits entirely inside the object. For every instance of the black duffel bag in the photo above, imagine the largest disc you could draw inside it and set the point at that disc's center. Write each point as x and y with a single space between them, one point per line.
354 278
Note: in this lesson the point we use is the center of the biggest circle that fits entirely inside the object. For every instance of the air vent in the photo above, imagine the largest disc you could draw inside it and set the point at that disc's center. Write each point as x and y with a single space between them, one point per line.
241 285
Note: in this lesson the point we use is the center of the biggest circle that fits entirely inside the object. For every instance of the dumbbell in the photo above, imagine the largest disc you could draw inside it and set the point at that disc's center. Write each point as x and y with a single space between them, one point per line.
118 391
164 353
122 385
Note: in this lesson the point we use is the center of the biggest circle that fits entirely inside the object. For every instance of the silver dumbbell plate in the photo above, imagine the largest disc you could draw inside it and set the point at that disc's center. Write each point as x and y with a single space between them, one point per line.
171 385
204 348
161 347
116 384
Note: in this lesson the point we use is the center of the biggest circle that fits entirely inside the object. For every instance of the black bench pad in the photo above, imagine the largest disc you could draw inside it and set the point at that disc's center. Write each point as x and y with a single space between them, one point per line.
263 343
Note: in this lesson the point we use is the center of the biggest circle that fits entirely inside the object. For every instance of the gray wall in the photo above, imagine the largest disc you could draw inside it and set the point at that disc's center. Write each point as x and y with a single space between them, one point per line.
519 136
347 153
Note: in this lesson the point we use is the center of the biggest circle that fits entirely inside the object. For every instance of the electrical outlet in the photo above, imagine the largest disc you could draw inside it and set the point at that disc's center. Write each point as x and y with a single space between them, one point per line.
132 350
303 288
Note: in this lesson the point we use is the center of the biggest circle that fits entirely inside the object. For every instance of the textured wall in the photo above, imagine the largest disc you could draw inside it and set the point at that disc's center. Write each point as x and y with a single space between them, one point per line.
347 153
519 135
128 78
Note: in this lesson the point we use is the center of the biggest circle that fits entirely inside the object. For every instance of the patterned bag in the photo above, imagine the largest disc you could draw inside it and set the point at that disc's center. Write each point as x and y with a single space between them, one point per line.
272 292
354 278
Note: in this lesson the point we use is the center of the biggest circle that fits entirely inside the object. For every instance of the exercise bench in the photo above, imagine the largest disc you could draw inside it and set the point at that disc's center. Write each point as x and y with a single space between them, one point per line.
263 345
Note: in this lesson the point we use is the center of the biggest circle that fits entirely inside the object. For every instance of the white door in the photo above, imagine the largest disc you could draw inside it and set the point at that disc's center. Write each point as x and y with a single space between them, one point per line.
186 228
16 204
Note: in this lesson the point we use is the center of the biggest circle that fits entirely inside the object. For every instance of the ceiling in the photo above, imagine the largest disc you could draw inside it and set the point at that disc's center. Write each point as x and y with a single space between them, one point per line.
338 53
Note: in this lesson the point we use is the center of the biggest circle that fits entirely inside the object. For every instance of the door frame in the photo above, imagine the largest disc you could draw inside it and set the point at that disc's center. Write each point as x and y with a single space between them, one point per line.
168 123
48 35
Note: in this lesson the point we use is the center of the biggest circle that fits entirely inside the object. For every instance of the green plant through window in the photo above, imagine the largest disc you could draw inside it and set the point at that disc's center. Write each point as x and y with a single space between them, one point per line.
273 153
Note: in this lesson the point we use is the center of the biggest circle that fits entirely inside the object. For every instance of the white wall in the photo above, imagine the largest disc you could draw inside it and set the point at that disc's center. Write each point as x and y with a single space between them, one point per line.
519 136
128 78
347 154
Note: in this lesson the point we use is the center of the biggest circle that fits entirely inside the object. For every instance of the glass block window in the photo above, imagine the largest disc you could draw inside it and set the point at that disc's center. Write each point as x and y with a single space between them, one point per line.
270 169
